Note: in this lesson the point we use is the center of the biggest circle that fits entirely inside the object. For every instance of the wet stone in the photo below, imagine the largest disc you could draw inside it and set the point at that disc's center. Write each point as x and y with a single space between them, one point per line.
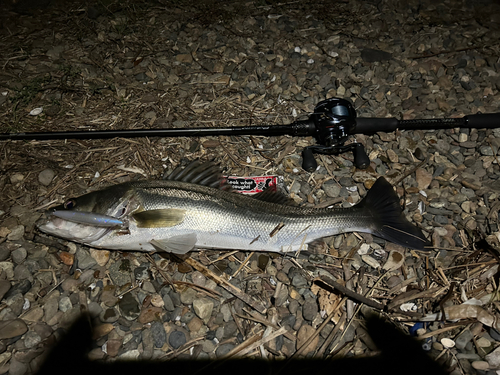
31 339
168 303
282 296
198 278
309 308
226 312
282 276
186 318
17 367
305 332
16 233
94 309
120 272
158 334
299 281
71 285
141 273
331 188
4 252
113 347
188 296
12 328
203 308
4 288
194 325
176 339
208 346
463 339
109 315
65 304
84 259
147 345
494 334
230 330
16 303
19 255
46 176
129 306
149 314
223 349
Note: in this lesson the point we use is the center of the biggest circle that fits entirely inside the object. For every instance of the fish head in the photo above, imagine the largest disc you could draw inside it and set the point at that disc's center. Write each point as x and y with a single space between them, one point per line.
110 202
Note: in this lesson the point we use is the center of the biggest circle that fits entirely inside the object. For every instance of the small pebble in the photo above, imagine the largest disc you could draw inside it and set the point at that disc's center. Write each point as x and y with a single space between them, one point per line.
447 343
46 176
176 339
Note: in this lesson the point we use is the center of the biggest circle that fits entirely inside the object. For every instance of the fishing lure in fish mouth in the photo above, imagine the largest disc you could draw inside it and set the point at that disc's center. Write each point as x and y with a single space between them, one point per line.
192 210
88 218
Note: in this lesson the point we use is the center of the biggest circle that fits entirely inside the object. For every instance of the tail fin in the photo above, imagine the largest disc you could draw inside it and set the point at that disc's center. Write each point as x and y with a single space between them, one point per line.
389 221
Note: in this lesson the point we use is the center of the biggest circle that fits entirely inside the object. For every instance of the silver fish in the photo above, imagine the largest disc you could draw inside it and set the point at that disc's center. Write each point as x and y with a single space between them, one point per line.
188 211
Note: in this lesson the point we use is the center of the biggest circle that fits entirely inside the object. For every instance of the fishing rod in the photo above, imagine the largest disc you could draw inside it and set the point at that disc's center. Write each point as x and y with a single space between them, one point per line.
333 121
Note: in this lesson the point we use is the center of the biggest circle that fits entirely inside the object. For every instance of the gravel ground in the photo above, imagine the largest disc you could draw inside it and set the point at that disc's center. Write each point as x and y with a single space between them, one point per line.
131 65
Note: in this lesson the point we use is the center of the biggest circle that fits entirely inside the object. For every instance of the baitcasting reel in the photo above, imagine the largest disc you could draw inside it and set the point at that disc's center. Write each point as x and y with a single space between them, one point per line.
334 120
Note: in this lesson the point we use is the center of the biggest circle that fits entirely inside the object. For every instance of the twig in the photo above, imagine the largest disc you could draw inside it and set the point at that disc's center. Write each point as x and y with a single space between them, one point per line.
332 334
314 335
406 174
433 292
209 292
248 343
182 349
255 317
243 264
358 308
227 285
356 296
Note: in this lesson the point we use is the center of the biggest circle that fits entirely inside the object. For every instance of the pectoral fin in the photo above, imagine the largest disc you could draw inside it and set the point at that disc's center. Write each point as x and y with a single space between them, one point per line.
161 218
180 244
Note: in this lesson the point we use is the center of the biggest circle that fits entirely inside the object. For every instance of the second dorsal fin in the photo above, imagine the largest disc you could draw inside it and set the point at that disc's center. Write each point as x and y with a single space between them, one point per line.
273 196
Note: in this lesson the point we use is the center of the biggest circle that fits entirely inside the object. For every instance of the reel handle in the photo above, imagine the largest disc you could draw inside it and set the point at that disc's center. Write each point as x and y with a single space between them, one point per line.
361 159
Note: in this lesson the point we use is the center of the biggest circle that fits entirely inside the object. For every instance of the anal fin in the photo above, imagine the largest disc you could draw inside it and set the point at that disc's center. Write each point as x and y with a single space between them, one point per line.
179 244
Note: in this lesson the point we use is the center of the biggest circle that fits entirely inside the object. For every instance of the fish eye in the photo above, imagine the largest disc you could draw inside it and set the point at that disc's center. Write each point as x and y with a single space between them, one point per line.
69 204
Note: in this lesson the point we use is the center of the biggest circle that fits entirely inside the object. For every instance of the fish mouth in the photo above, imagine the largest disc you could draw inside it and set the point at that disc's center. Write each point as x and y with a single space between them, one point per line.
69 230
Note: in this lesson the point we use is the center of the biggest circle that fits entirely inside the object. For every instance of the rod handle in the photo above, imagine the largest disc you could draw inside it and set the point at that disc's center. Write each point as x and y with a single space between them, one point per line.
371 125
486 120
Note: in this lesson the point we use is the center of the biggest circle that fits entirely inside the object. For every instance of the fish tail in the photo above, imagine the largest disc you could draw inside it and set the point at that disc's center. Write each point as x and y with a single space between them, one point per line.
389 222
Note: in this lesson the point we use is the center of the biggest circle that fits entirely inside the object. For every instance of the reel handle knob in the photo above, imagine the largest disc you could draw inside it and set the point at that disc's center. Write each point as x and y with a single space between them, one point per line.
361 159
308 161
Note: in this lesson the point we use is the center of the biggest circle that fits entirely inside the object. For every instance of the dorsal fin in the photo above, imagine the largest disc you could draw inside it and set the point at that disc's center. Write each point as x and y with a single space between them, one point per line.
196 172
272 196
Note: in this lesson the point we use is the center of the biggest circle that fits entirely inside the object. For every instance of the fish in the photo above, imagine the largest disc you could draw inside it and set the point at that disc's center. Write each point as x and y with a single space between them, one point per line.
192 209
